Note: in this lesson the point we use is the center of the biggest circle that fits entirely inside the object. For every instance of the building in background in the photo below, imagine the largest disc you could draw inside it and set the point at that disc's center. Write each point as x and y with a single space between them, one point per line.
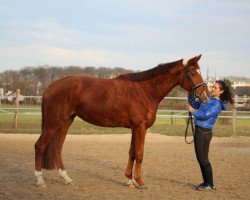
241 91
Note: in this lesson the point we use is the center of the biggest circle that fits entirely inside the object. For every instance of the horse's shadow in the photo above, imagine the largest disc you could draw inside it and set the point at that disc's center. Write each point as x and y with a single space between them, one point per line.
173 181
107 166
104 166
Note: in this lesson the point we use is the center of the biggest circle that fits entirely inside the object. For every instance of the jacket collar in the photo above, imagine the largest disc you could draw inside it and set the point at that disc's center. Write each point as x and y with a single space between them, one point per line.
223 104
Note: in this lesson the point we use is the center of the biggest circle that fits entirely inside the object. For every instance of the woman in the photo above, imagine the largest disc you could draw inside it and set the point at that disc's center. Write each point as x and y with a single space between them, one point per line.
205 115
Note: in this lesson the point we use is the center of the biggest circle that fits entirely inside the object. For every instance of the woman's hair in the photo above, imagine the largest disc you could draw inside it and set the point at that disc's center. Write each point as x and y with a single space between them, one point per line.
227 94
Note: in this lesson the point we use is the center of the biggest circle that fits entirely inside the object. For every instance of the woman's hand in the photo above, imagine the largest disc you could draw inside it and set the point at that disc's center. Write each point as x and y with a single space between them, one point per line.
190 109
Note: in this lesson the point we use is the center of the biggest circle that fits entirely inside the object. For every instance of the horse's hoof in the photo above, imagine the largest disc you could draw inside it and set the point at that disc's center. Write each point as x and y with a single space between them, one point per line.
139 184
142 187
131 183
69 183
42 186
131 186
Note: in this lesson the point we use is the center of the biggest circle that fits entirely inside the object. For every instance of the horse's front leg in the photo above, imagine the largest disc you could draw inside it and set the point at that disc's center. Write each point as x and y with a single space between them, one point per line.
130 164
139 134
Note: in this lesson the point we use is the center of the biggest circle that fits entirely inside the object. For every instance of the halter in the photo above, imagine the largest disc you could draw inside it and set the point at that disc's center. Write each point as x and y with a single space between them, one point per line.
196 88
193 91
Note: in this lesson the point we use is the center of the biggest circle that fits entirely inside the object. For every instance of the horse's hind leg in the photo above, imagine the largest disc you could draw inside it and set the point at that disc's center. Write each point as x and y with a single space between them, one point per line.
38 162
48 150
40 147
61 138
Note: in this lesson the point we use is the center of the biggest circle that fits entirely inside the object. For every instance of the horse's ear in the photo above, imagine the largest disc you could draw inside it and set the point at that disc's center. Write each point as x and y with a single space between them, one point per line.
194 60
197 58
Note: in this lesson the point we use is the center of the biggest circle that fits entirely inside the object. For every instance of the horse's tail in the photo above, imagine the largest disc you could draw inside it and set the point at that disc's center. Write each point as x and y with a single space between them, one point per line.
50 157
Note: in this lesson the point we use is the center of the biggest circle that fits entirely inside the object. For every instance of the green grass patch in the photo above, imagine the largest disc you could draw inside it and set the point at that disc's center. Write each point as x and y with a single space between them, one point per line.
29 121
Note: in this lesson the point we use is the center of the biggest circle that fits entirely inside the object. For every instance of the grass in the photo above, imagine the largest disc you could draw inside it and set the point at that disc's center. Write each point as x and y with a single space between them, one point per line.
32 124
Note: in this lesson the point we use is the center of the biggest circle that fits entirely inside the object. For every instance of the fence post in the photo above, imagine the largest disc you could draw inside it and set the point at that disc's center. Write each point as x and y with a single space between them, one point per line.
16 110
234 123
234 115
1 95
235 101
245 100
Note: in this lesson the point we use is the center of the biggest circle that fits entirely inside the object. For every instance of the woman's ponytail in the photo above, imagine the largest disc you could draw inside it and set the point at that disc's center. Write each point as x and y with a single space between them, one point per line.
227 94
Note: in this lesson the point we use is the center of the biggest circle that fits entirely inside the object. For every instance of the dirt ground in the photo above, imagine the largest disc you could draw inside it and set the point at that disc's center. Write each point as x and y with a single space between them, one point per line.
96 164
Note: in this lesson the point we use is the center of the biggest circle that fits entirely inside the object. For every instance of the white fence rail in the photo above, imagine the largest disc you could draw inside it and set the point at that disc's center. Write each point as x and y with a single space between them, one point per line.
175 113
183 114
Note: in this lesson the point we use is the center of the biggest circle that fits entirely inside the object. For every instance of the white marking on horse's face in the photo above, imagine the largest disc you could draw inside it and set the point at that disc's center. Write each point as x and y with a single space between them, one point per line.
199 72
185 61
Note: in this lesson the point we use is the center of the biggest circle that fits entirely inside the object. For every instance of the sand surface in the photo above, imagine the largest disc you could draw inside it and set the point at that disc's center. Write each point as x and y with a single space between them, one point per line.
96 164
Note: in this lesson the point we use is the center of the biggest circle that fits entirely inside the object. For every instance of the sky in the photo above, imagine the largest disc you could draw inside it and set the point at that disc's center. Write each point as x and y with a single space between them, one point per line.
133 34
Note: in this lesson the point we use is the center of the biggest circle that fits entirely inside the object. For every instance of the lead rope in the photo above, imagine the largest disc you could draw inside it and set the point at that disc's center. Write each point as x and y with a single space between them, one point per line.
190 120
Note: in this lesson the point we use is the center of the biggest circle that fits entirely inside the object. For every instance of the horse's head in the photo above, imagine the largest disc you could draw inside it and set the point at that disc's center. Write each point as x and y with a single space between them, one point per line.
192 81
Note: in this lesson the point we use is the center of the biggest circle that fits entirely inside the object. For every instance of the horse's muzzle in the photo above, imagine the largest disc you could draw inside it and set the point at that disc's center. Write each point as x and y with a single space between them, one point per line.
203 97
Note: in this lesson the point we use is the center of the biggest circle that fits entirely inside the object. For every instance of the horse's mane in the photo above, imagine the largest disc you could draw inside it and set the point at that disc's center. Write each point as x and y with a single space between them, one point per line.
148 74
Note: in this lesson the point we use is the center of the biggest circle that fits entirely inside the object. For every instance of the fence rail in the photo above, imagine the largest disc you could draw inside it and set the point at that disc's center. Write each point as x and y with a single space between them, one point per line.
173 113
179 114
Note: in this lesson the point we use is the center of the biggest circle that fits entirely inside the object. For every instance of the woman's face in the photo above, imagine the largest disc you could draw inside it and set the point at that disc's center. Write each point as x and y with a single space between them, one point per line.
216 91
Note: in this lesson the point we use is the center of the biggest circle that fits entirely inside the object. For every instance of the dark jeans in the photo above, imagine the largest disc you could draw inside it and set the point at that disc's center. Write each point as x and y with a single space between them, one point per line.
202 140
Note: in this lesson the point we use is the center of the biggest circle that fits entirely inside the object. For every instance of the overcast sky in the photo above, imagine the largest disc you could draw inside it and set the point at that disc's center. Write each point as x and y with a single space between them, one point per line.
134 34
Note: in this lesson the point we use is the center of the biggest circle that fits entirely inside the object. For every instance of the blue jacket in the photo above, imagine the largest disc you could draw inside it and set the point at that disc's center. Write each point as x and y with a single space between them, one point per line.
207 113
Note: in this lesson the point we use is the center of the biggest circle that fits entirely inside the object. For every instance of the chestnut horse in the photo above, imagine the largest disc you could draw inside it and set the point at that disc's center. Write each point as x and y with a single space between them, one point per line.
129 100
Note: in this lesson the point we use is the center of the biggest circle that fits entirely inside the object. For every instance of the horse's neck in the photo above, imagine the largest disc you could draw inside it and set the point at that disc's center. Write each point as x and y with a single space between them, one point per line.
160 86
